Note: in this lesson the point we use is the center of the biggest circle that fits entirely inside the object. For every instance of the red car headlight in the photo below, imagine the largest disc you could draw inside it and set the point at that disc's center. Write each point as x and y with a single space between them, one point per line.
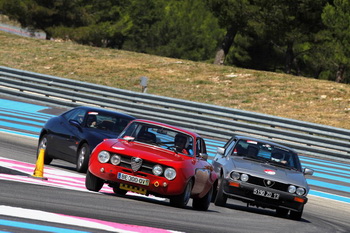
103 156
157 170
170 173
115 159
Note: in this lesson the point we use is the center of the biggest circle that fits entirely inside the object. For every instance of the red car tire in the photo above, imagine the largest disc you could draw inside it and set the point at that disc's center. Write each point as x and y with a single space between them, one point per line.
92 182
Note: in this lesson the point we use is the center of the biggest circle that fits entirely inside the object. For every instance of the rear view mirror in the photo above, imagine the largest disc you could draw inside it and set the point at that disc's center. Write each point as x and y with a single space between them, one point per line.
74 123
203 156
220 150
308 171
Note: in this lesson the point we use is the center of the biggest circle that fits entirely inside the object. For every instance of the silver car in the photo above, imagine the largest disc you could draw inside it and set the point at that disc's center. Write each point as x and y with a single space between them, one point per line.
262 174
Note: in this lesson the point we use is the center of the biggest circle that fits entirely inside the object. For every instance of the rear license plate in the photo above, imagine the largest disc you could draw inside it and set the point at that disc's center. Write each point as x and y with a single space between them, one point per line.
267 194
133 179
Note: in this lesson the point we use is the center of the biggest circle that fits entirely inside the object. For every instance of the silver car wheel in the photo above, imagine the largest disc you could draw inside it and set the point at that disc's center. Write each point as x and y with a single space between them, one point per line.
221 198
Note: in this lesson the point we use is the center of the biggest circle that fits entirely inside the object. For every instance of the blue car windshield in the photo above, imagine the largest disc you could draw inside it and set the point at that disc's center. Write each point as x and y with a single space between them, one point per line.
268 153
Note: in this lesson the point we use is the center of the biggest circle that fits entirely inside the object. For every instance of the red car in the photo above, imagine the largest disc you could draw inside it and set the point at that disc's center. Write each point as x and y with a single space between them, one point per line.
154 158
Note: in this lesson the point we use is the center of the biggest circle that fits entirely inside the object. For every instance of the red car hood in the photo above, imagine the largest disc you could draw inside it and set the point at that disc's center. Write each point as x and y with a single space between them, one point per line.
144 151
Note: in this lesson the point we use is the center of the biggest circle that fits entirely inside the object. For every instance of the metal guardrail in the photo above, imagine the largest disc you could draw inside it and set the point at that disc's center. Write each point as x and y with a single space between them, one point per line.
208 120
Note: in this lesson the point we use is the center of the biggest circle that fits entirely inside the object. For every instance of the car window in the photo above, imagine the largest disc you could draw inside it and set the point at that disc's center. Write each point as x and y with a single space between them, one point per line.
200 146
75 114
159 136
229 142
229 146
105 121
267 153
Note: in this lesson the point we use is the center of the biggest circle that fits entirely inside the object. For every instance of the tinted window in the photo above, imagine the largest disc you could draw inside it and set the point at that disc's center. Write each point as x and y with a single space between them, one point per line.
105 121
75 114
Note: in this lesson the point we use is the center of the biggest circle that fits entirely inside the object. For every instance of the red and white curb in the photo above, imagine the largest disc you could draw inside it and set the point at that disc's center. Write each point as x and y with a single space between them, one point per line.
54 177
67 180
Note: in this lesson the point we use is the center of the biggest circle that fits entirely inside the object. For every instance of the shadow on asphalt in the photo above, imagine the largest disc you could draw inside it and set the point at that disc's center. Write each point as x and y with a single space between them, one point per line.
256 210
9 171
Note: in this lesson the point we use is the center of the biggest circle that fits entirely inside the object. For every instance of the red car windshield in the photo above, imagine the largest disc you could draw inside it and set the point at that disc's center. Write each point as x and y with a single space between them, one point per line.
160 136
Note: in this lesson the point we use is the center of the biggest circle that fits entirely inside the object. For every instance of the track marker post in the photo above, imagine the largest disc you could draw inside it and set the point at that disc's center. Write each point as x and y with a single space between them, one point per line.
39 168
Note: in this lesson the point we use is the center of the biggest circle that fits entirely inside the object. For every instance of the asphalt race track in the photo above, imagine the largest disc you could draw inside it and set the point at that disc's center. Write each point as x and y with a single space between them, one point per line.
62 204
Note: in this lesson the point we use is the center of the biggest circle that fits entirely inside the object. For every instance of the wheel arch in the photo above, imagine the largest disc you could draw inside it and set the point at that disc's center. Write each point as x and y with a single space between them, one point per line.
81 144
42 133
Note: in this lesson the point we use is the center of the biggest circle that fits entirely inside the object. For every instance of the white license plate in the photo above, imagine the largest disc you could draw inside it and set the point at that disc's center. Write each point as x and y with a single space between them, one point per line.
267 194
133 179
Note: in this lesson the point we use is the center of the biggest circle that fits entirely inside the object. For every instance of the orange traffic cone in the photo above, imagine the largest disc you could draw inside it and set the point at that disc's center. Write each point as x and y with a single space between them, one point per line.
39 168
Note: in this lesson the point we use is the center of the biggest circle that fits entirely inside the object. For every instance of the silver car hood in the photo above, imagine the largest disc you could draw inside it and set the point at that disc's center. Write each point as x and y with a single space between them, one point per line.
269 171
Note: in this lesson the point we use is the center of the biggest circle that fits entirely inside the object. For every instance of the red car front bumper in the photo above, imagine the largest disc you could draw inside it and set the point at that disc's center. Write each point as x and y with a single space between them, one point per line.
153 184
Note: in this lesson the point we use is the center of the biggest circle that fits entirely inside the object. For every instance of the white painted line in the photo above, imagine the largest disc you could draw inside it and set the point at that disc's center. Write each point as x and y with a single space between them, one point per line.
75 221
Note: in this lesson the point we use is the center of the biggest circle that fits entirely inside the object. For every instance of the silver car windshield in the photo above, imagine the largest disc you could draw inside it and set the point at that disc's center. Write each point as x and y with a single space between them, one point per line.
264 152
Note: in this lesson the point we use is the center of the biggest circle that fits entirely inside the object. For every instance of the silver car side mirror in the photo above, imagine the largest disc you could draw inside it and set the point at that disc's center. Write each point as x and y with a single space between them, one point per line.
308 171
203 156
220 150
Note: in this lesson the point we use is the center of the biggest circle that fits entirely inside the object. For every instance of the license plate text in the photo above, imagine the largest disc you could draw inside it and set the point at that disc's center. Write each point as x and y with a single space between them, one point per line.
267 194
133 179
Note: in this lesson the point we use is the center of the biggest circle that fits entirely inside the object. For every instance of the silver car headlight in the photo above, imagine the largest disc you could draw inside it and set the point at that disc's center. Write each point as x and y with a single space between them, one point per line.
300 191
170 173
103 156
244 177
115 160
157 170
292 189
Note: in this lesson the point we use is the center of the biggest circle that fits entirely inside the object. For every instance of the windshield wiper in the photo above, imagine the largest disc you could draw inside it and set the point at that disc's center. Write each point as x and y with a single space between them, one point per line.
257 159
278 164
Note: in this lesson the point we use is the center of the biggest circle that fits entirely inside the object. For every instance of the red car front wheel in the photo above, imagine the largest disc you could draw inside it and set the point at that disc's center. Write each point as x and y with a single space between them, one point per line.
92 182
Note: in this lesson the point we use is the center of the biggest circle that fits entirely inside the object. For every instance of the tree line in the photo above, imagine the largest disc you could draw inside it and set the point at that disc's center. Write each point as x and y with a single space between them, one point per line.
301 37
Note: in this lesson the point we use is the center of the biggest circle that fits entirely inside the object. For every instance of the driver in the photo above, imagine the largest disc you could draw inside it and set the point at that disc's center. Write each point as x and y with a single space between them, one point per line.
91 121
278 157
181 143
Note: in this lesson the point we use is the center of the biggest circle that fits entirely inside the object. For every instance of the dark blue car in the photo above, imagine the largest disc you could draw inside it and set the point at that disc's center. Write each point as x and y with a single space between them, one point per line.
73 135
